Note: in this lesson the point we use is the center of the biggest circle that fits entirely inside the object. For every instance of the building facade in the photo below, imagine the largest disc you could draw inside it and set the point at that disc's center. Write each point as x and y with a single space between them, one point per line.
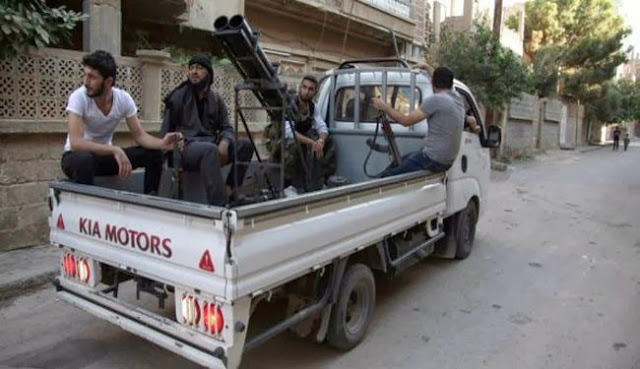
460 16
304 36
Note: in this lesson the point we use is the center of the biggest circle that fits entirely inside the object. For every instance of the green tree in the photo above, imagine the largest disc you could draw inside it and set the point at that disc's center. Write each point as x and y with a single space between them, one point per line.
27 24
586 38
512 22
544 70
606 107
629 102
495 73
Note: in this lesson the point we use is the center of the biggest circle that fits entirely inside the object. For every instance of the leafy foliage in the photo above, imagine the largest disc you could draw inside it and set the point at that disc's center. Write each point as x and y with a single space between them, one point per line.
606 107
584 37
512 22
629 92
495 73
544 70
26 24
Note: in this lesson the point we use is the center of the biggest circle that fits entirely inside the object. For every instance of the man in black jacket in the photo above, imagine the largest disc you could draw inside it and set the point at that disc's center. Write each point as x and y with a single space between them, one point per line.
200 113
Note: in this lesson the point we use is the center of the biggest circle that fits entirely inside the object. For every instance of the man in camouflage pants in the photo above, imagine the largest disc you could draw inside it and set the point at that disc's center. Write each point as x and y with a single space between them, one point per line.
313 137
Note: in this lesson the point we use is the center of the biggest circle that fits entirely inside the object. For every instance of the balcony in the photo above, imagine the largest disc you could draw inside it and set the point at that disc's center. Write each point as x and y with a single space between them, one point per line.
200 14
373 18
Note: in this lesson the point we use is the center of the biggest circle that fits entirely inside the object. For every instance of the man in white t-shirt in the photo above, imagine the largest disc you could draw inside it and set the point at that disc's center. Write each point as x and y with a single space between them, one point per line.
93 113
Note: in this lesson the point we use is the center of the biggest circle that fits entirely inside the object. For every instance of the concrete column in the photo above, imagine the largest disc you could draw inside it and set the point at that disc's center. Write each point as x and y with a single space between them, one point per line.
437 16
538 121
152 62
420 13
580 126
504 120
103 28
521 20
467 13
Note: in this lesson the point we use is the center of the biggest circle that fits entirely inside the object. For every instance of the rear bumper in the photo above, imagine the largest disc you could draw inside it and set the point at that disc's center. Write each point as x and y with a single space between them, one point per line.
159 330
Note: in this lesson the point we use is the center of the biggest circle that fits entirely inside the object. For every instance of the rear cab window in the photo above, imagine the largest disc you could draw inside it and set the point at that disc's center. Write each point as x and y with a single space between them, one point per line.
398 96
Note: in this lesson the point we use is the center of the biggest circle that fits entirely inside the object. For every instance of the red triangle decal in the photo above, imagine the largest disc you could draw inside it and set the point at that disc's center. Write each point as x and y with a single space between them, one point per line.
60 224
206 263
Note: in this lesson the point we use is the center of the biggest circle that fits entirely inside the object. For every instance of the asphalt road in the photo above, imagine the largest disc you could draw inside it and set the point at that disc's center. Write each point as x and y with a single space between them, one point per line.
553 282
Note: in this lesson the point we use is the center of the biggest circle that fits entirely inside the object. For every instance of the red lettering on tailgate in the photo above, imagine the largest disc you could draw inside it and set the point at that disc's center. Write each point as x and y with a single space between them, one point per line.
83 226
126 237
166 245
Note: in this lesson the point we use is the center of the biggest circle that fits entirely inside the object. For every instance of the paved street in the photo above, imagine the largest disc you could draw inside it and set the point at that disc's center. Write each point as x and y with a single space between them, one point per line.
553 282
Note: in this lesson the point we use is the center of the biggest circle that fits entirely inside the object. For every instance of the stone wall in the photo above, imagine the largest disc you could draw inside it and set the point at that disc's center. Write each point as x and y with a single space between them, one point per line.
518 137
550 133
532 124
27 163
575 126
520 127
550 129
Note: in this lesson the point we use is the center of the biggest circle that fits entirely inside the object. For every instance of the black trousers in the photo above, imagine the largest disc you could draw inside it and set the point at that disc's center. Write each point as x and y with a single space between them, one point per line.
202 157
83 166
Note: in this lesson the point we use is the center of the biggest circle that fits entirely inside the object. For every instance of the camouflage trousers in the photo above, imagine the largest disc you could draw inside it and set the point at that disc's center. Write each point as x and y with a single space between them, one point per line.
319 170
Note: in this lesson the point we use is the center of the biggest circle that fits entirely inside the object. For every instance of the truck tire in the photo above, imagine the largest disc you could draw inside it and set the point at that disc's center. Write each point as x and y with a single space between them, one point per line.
352 313
465 230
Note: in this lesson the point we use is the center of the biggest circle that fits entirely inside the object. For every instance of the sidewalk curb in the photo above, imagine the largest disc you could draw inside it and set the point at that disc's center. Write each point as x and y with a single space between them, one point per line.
23 286
591 148
498 166
27 269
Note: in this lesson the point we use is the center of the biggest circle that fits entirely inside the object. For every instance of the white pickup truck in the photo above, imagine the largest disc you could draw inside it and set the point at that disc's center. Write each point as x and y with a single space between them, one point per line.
317 252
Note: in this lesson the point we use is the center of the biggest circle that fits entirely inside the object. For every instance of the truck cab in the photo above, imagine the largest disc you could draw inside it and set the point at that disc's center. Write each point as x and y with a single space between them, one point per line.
352 124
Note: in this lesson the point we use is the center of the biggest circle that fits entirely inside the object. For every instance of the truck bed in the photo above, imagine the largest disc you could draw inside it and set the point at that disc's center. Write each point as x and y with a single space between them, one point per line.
252 248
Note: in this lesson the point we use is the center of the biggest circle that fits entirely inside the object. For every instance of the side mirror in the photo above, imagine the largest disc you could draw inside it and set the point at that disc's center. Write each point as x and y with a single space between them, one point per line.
494 137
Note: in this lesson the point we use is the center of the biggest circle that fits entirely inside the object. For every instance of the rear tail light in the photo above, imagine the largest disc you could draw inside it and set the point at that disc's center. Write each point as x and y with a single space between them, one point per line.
213 320
200 314
69 265
80 269
84 271
190 310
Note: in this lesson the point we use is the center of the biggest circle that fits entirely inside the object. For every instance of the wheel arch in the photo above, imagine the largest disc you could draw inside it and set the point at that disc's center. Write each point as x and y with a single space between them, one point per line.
460 192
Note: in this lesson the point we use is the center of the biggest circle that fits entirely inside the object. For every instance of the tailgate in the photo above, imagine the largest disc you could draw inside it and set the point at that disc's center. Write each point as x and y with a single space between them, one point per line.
140 234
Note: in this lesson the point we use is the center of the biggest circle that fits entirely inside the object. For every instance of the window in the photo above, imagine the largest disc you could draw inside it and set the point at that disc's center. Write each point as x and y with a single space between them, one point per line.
398 96
399 7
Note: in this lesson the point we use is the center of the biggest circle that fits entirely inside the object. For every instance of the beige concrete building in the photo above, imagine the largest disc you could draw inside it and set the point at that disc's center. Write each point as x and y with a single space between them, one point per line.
460 16
303 35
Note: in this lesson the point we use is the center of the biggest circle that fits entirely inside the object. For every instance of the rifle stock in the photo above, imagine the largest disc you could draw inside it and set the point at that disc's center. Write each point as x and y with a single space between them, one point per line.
391 138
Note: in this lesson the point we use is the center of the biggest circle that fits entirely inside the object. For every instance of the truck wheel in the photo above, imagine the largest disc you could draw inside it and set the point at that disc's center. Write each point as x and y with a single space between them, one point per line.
465 231
352 313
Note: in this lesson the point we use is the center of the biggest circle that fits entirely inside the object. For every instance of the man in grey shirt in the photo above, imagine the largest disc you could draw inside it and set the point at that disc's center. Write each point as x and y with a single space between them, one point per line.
444 111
